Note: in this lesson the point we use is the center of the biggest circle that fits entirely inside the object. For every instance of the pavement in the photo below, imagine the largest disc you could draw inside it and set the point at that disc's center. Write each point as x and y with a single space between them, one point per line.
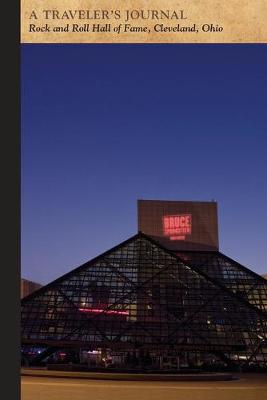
247 387
35 372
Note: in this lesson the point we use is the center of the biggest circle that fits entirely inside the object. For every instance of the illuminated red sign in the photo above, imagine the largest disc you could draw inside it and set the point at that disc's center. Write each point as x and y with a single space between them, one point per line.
98 310
176 227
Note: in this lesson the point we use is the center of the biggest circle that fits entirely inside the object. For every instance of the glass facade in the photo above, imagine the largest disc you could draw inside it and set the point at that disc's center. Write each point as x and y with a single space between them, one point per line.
141 303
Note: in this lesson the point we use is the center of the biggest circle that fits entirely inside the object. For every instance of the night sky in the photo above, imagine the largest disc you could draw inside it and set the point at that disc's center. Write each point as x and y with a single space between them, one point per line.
105 125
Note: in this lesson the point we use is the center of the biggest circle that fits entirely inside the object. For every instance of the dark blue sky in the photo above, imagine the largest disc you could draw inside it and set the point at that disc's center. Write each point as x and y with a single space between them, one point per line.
104 125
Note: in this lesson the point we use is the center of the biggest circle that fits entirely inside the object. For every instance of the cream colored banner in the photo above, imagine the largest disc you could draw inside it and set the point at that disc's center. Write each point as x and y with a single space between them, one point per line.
137 21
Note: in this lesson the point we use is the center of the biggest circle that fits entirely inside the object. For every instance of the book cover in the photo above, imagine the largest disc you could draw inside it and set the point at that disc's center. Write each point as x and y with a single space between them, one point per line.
143 196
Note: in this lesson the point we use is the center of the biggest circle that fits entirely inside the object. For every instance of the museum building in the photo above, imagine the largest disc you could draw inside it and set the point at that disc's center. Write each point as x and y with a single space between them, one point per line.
166 298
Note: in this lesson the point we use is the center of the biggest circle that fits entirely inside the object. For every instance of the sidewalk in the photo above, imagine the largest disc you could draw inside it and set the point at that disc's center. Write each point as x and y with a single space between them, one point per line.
126 376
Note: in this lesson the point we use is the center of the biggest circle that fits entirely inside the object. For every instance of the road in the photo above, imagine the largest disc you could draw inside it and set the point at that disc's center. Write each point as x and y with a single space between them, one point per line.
248 387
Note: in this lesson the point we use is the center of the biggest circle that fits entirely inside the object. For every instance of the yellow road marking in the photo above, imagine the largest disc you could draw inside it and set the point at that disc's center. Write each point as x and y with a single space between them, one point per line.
121 386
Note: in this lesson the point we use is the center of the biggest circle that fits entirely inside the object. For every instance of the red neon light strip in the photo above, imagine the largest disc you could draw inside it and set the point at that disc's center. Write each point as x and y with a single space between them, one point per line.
96 310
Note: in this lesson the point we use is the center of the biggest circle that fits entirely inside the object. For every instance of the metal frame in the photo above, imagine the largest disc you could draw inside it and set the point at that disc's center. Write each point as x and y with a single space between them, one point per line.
139 295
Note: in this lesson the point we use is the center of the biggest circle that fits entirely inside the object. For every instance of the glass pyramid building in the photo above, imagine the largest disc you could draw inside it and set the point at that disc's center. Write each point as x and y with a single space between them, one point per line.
141 304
